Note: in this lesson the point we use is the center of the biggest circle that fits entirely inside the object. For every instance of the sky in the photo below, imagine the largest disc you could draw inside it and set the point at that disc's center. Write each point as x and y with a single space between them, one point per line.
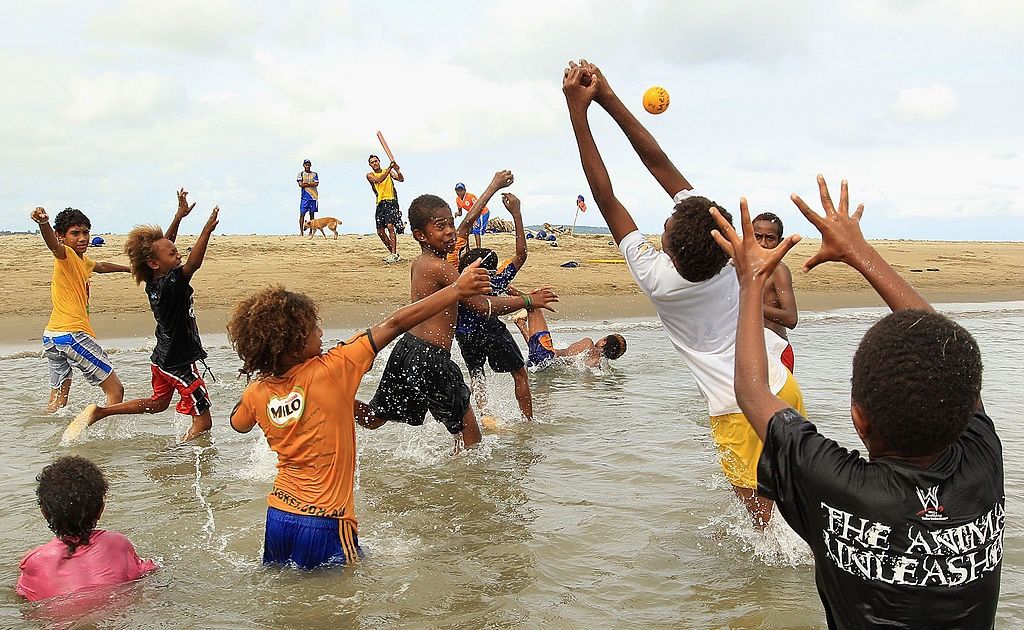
112 106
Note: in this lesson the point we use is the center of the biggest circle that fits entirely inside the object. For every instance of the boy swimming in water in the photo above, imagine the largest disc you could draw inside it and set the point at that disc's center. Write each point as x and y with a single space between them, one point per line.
689 282
156 261
420 375
304 401
912 536
543 353
69 340
780 311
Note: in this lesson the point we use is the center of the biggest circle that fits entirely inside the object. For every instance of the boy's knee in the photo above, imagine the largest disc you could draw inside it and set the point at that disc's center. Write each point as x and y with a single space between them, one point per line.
160 404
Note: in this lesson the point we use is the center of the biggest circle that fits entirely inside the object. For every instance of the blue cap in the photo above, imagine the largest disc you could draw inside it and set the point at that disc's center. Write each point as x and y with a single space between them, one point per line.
460 186
306 161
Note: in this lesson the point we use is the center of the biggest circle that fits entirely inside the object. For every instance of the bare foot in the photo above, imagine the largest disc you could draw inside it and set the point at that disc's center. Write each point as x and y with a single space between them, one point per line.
79 424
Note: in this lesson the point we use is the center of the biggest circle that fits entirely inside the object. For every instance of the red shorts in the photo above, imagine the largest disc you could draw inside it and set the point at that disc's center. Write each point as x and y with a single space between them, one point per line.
195 399
788 359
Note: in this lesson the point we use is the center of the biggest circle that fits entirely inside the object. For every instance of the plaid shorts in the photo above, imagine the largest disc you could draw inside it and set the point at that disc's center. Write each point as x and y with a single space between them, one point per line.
66 349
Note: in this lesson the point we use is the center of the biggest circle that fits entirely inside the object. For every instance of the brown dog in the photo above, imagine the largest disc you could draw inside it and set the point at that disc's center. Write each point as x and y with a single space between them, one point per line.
319 224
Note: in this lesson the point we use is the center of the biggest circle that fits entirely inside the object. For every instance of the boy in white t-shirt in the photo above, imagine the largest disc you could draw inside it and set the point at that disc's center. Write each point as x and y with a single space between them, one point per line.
689 282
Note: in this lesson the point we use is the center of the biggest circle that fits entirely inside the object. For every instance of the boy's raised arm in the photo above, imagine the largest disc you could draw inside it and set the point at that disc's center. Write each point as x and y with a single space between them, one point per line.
754 267
474 280
842 241
46 231
195 257
184 208
513 206
650 152
501 179
396 172
578 98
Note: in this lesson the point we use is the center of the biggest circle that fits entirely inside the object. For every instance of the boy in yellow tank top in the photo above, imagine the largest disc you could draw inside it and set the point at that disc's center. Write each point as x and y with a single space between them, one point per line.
69 340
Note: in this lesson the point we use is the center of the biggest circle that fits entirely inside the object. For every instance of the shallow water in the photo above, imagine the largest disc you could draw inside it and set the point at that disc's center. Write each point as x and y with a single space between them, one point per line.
609 511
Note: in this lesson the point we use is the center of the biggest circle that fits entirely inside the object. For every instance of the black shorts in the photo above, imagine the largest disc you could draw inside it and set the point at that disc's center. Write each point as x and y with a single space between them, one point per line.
388 213
418 378
491 343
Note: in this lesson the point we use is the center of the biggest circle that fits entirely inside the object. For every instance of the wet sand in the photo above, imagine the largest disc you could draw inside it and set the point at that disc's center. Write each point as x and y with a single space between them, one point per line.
354 287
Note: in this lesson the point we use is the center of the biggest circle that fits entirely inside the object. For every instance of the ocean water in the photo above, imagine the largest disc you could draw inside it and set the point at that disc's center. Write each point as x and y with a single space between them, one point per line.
609 511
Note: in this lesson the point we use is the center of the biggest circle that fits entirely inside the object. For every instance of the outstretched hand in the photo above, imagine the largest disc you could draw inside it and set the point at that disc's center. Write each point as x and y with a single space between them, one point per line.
511 203
841 238
754 264
214 219
604 89
543 297
579 86
183 206
474 280
39 216
502 179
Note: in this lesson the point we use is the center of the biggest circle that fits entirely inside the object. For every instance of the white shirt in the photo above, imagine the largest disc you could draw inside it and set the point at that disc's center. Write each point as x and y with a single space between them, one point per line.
700 319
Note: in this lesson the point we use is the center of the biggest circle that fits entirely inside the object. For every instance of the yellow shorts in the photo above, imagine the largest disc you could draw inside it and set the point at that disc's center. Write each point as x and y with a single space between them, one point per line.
739 448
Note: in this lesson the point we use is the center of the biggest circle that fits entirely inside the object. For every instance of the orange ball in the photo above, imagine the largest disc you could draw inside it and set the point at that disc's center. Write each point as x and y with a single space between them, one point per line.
656 99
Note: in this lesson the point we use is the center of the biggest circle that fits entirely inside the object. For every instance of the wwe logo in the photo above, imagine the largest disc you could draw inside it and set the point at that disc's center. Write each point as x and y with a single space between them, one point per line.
930 502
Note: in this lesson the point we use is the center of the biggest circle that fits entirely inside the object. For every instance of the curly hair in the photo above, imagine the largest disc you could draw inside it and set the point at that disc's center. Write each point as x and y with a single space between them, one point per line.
614 347
68 217
422 209
772 218
139 249
70 494
917 377
488 258
268 326
688 241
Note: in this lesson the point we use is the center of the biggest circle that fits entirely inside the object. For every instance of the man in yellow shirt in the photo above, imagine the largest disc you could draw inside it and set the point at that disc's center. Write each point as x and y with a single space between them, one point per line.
388 215
69 339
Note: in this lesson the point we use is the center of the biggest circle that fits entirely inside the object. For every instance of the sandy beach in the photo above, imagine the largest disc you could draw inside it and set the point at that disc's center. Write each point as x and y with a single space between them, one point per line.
354 287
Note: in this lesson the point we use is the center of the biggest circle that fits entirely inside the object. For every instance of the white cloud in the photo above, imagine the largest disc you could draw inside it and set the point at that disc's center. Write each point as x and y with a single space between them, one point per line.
764 161
121 98
925 104
192 27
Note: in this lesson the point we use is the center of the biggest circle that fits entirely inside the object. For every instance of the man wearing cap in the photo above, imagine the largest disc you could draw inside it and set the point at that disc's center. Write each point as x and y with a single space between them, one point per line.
308 181
465 200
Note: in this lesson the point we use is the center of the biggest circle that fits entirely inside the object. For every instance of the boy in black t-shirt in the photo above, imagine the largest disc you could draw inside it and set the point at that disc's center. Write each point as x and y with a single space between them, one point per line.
912 536
155 260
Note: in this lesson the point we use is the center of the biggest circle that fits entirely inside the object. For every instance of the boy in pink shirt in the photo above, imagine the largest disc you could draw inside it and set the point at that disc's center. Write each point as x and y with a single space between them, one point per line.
71 492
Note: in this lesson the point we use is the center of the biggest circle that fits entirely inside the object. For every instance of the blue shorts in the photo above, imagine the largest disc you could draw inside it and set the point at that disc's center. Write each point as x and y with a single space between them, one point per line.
308 541
307 205
481 224
541 350
64 350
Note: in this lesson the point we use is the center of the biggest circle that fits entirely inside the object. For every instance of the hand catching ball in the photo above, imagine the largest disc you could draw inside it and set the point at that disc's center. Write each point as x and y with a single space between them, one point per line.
656 100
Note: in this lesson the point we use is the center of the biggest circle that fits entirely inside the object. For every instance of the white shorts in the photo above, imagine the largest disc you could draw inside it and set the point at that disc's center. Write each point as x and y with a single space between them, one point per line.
66 349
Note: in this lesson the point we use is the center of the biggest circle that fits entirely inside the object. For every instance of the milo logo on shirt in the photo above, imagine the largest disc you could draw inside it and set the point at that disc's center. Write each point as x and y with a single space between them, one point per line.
284 411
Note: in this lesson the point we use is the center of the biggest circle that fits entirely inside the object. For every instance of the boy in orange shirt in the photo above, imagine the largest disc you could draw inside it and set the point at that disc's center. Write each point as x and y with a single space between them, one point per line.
464 201
68 339
304 402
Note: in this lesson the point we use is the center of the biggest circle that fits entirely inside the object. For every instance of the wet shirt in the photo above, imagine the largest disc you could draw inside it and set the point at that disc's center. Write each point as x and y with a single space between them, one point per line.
700 320
109 558
69 292
177 334
894 545
469 320
308 420
305 178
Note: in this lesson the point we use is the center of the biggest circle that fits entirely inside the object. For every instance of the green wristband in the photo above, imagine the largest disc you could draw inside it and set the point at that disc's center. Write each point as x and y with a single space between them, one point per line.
529 302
